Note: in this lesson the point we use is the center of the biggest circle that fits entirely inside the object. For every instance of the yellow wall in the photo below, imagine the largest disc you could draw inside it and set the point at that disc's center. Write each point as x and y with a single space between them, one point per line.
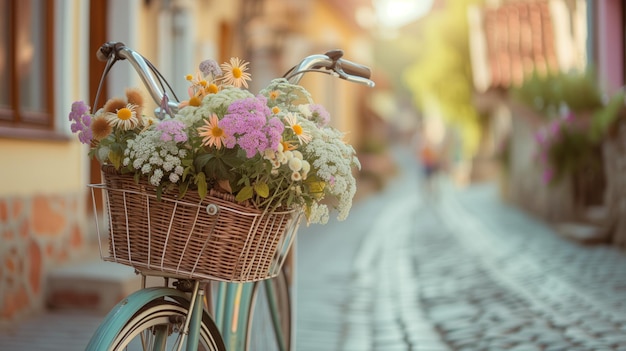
29 167
341 98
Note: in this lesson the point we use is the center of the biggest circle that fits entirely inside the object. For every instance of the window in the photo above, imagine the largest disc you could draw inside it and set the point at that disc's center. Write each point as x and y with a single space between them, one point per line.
26 44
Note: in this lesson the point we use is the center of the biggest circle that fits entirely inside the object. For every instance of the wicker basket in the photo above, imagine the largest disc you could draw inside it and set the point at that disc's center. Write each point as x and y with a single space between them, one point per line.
214 238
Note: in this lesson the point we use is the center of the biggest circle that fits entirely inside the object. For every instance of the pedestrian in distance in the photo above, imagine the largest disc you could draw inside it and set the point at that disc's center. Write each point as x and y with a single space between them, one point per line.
430 164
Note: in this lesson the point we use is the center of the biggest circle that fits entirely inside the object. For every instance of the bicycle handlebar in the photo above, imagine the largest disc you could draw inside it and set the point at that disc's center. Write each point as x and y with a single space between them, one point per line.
113 51
331 62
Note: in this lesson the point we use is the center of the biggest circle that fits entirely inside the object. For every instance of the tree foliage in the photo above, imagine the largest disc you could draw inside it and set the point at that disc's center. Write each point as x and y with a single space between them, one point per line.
441 72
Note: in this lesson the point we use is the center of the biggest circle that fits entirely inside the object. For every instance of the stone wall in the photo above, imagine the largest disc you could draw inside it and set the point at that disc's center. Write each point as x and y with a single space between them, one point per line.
614 152
527 188
36 234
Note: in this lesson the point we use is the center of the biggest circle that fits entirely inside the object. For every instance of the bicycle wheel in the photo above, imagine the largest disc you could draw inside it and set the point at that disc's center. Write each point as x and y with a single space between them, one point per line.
158 326
270 308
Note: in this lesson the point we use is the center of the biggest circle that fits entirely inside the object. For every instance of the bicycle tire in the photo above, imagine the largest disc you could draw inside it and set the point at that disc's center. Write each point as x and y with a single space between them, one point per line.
163 316
259 337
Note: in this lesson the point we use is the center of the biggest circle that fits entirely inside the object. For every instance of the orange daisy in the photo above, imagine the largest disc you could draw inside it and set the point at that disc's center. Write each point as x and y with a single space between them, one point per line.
211 133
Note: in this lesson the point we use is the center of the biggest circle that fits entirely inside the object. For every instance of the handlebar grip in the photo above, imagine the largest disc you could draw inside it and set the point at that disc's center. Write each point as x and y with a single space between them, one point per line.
108 50
354 69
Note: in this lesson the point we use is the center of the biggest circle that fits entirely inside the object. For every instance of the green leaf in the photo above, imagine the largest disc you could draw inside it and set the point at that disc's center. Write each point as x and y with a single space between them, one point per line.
604 118
262 189
222 171
182 189
290 199
116 159
202 185
232 160
159 192
202 160
186 172
244 194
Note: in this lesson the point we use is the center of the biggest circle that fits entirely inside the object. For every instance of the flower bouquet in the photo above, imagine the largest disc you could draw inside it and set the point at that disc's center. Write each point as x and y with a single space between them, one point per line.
274 152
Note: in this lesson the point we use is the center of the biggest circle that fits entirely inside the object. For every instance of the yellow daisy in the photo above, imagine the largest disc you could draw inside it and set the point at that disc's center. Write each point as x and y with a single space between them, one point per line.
235 72
211 133
125 118
212 89
303 135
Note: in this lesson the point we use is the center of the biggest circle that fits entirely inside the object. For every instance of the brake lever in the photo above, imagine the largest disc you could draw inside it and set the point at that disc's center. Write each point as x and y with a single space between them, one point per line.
354 79
351 78
335 56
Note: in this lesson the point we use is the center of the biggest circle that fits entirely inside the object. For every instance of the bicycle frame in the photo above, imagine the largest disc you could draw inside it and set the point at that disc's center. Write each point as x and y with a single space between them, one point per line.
233 300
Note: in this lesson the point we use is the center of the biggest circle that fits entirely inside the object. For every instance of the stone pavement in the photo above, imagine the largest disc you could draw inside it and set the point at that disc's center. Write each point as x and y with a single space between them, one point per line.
515 285
458 270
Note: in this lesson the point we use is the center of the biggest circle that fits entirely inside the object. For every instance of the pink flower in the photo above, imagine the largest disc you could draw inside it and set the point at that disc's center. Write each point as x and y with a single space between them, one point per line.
172 130
249 124
81 122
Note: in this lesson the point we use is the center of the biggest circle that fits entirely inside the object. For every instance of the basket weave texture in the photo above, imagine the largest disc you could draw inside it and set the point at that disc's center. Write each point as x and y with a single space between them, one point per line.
212 238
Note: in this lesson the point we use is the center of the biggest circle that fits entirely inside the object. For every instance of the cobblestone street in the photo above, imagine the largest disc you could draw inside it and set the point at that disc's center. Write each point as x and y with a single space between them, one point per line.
464 272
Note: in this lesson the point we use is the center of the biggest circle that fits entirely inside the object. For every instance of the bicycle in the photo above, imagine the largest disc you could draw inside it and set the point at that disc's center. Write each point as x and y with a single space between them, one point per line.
182 312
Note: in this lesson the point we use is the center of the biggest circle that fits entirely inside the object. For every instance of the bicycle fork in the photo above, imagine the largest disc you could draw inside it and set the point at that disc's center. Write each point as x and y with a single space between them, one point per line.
232 314
192 323
191 327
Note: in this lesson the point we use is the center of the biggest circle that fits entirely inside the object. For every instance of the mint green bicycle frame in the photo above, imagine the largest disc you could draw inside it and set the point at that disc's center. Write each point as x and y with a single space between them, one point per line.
232 308
232 311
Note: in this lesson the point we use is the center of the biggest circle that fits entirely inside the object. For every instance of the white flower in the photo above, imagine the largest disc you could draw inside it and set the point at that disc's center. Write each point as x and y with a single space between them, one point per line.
296 176
305 110
154 158
295 164
174 177
299 129
156 177
282 158
306 166
125 118
333 161
318 213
